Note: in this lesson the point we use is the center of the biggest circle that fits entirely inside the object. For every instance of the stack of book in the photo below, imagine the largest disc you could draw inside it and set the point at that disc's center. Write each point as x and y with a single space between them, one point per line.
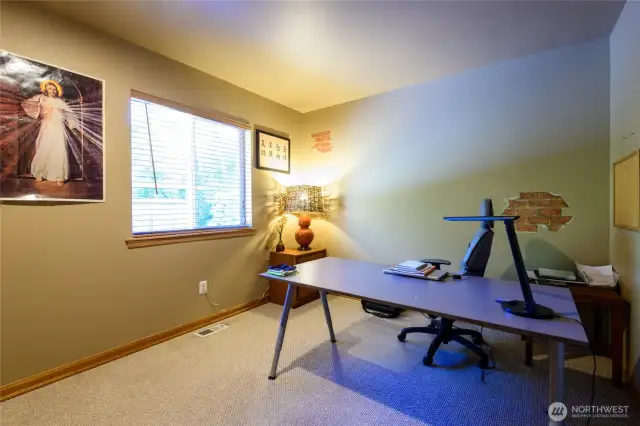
413 268
282 270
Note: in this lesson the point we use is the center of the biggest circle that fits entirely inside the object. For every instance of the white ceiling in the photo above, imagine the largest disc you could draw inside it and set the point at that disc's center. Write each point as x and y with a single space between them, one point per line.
309 55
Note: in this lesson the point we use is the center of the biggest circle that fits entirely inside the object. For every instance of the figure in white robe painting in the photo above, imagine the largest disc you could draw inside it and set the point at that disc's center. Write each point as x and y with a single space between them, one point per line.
51 161
51 133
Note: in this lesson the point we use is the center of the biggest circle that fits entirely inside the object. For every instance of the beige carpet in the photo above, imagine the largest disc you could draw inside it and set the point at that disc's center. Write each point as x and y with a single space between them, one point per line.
369 378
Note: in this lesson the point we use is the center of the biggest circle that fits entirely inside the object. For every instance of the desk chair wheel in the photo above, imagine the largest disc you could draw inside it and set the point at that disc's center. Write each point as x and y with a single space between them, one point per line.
428 361
483 363
402 337
478 340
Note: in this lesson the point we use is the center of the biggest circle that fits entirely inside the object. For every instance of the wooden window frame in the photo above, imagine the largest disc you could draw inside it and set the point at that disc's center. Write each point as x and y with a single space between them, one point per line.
187 236
153 239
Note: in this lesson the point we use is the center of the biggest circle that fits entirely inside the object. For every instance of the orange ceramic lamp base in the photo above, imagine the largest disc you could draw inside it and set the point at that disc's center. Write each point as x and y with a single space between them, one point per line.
304 235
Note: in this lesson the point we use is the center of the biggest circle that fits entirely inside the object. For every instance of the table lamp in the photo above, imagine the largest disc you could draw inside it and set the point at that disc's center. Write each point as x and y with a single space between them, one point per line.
525 308
301 200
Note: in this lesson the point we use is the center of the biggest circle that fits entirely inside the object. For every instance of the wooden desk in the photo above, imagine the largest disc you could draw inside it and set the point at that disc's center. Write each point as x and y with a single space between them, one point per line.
602 300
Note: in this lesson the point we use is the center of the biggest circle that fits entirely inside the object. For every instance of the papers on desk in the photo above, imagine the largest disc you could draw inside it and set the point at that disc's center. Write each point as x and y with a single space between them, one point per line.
413 267
553 277
598 276
557 274
412 264
416 269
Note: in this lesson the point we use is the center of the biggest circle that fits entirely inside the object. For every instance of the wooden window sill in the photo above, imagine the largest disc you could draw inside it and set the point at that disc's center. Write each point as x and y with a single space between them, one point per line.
161 239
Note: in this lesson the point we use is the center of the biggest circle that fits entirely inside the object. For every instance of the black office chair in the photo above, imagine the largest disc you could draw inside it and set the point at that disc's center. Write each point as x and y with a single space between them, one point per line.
474 264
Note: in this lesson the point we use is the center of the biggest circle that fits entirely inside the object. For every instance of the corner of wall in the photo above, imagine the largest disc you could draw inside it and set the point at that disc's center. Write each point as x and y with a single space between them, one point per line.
624 138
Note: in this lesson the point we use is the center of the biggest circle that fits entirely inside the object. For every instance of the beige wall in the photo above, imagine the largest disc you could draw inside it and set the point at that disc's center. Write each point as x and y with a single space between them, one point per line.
405 159
625 119
402 160
70 287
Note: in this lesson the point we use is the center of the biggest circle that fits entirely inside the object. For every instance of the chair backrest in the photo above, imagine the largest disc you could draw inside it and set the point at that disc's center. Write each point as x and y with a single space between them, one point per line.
475 260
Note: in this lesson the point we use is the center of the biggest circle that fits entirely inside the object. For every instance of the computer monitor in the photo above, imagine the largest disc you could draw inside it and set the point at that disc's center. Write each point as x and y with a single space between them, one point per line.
527 308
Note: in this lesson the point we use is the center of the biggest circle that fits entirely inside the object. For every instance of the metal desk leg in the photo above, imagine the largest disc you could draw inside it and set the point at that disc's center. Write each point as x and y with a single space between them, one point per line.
327 315
556 376
283 327
618 323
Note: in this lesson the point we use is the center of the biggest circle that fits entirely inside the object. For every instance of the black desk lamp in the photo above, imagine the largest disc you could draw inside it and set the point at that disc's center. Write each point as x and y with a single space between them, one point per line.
527 308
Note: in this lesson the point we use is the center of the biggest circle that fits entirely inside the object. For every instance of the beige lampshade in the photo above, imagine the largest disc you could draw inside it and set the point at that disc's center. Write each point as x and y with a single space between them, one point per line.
304 199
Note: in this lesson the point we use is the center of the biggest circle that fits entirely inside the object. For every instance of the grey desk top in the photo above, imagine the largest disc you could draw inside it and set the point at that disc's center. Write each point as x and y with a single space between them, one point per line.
470 299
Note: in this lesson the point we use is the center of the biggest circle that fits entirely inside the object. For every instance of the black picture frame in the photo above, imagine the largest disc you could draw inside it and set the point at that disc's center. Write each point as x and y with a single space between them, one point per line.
257 147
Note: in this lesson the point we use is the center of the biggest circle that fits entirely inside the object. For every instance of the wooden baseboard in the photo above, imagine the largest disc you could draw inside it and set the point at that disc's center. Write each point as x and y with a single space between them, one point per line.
28 384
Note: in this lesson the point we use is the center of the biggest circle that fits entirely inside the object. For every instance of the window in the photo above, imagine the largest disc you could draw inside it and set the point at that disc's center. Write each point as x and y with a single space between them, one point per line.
189 172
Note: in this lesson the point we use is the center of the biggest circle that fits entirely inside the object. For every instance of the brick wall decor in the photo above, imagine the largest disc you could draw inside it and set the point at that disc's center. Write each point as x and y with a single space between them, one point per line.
538 209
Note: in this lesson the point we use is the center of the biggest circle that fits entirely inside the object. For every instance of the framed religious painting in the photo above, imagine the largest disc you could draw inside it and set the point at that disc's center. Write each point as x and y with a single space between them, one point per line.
273 152
51 132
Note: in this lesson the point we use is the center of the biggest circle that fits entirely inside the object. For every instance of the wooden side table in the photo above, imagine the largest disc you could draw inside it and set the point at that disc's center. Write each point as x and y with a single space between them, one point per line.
602 300
301 295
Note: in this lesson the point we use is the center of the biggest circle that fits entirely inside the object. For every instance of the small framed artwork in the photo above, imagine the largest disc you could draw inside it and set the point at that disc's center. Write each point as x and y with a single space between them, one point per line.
273 152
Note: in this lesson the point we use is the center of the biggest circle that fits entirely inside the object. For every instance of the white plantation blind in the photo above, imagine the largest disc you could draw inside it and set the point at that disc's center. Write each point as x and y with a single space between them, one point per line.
188 172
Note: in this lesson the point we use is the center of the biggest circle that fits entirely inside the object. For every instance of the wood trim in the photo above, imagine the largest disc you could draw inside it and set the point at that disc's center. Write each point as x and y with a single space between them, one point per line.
615 163
211 115
161 239
28 384
626 157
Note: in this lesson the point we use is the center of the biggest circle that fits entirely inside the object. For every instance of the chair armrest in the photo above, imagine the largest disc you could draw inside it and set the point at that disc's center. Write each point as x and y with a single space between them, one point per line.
436 262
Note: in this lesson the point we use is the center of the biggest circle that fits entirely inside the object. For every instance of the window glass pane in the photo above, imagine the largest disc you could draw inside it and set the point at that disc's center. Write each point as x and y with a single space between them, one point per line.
188 172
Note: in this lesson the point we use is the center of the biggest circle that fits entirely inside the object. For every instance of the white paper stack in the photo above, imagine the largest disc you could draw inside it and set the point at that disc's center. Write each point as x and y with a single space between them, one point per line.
598 276
412 268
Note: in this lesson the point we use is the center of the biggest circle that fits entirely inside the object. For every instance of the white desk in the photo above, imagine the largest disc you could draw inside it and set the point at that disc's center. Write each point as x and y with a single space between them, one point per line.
470 299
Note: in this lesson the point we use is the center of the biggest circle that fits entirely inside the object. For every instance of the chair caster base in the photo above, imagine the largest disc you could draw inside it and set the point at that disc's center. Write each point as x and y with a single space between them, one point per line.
427 361
272 377
478 340
402 337
484 364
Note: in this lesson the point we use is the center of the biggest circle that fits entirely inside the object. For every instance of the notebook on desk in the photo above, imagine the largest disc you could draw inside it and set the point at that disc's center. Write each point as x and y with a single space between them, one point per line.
437 275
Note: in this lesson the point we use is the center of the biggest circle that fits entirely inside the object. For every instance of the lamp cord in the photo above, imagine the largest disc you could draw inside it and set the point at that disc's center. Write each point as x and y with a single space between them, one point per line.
213 305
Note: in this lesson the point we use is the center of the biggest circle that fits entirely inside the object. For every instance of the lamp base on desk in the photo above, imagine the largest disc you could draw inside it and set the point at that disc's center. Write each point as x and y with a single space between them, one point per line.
518 307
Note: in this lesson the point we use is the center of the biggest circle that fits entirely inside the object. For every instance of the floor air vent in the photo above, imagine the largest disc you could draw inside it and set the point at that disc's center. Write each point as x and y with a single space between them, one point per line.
211 330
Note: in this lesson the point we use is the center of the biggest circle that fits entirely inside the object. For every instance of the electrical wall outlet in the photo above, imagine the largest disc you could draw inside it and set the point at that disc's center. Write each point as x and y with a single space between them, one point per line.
202 287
